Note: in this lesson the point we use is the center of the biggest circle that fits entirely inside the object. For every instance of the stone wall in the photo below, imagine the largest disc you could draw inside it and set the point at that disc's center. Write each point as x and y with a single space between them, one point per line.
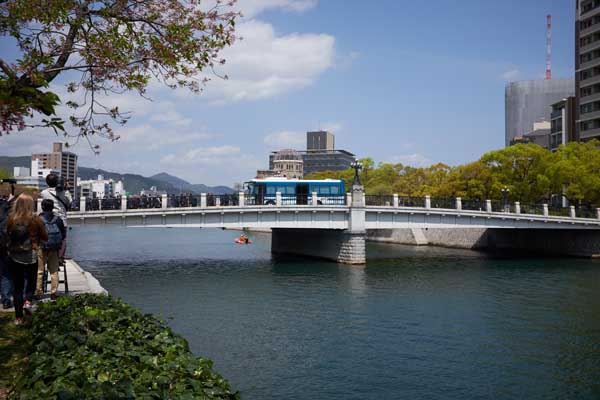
566 242
330 244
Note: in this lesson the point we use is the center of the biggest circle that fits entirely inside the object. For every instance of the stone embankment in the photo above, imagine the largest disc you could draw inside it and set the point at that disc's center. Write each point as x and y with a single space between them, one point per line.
567 242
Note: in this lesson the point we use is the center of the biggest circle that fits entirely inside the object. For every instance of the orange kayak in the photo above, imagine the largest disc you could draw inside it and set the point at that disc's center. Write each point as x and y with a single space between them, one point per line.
238 241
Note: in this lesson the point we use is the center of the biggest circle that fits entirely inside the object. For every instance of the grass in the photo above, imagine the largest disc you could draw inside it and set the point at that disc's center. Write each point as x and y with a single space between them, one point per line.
13 353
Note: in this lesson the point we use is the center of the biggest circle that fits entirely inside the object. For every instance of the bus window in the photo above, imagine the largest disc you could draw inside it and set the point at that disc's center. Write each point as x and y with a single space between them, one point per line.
324 190
335 190
290 190
271 190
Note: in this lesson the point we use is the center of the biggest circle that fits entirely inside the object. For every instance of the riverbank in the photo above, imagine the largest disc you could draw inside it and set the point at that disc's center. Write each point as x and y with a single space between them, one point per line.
88 344
13 338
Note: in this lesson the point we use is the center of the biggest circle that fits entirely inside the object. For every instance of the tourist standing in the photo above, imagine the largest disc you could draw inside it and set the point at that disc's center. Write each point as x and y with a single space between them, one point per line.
58 193
25 232
48 252
5 283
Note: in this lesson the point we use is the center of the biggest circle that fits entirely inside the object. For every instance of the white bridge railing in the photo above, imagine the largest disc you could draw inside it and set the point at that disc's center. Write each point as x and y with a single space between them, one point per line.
241 199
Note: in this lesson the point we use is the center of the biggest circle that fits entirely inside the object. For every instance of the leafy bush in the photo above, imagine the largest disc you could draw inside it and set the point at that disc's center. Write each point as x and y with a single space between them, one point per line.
96 347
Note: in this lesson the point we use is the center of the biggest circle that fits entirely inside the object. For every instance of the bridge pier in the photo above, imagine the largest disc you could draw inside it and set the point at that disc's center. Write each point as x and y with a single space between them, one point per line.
341 246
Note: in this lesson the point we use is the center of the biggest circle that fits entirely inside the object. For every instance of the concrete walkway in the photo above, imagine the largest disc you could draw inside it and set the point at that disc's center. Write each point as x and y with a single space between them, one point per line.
79 280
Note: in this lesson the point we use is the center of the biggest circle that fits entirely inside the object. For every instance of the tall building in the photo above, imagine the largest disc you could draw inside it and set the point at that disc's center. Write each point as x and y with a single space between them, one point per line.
563 123
528 102
320 141
63 161
587 69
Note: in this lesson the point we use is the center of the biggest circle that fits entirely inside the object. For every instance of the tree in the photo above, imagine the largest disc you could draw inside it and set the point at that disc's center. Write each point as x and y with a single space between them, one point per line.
104 47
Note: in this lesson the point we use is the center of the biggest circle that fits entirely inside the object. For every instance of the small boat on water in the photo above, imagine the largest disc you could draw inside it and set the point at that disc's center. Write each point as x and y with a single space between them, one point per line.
243 240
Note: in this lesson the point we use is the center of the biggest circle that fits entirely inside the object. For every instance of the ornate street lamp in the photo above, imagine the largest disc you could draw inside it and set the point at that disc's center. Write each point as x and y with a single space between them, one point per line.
505 191
357 168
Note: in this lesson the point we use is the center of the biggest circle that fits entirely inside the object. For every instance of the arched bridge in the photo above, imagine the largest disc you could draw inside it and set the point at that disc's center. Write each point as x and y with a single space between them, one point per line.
336 227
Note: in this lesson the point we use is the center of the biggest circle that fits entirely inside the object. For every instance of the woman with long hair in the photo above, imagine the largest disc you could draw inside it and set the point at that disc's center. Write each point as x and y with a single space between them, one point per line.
25 231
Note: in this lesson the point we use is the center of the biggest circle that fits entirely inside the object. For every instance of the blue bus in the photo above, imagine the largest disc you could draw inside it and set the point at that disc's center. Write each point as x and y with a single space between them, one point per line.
296 191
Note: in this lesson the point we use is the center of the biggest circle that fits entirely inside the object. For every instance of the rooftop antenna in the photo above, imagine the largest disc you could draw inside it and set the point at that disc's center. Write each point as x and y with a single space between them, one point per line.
549 47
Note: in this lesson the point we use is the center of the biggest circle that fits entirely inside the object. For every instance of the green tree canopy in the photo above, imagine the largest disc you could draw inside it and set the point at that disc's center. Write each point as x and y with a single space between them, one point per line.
531 173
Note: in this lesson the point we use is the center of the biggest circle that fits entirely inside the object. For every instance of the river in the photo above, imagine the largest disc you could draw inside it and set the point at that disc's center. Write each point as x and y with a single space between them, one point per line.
415 323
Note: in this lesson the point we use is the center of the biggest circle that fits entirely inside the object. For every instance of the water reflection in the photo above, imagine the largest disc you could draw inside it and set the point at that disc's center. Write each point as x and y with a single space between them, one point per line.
416 322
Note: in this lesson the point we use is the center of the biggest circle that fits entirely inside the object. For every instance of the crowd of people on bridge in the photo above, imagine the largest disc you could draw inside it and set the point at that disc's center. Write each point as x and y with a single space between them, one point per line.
30 244
147 202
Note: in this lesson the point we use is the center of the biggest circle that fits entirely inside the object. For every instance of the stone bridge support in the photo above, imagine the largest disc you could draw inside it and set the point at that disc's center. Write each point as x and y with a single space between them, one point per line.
330 244
342 246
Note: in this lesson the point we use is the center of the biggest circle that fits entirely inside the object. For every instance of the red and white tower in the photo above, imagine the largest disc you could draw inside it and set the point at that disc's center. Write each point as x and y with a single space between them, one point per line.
549 48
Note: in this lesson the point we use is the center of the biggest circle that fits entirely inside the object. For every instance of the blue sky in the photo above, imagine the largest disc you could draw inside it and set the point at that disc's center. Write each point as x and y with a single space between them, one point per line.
394 80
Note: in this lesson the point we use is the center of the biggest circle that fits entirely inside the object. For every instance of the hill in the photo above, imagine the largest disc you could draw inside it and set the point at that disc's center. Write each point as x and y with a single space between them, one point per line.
134 183
185 186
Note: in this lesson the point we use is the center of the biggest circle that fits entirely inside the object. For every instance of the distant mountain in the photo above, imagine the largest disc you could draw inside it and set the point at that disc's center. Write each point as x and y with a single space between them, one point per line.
8 163
133 183
185 186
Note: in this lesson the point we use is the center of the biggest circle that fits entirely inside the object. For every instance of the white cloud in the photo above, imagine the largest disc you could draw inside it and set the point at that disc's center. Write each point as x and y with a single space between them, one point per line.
414 160
251 8
203 155
511 75
171 117
264 65
285 140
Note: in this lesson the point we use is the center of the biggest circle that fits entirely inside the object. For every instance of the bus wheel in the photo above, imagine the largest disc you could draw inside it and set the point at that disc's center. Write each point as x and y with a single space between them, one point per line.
270 203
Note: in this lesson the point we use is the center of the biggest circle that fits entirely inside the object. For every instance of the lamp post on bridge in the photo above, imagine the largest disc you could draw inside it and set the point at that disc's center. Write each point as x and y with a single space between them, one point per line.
357 168
357 194
505 191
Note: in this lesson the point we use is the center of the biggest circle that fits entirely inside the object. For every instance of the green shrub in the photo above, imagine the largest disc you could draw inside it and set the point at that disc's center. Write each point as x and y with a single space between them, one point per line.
96 347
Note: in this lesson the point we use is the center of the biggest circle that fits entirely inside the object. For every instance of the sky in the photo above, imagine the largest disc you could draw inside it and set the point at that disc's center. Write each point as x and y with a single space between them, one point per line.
397 81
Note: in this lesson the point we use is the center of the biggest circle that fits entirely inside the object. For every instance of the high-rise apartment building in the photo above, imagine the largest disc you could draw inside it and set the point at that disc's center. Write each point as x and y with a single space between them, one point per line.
587 69
63 161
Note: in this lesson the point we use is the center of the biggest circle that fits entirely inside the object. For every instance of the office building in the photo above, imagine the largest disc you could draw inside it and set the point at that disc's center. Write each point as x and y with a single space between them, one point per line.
334 160
587 69
529 102
540 135
63 161
34 177
320 141
100 188
320 155
563 123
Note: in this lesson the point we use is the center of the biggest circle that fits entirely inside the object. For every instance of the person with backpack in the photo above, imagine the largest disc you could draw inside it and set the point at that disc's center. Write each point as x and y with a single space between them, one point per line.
58 193
48 253
25 232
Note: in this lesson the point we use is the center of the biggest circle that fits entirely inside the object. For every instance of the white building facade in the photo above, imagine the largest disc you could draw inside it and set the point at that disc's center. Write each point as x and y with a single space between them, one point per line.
100 188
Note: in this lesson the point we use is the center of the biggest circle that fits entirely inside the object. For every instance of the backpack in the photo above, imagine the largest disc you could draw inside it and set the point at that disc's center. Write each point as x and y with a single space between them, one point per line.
18 239
55 238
